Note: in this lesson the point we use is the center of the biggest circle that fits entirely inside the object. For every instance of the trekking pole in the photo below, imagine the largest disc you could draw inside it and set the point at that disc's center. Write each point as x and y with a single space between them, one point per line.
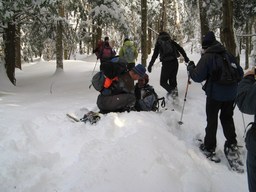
180 122
94 67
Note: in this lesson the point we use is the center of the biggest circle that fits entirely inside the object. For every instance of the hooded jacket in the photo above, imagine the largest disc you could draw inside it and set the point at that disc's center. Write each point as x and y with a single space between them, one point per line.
204 69
158 49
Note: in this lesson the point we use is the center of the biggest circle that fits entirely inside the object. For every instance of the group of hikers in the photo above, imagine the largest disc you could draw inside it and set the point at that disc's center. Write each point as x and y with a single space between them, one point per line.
222 91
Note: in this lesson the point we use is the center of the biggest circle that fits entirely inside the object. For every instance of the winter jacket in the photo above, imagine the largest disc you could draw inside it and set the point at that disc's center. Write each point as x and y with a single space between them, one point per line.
126 45
246 95
204 69
158 50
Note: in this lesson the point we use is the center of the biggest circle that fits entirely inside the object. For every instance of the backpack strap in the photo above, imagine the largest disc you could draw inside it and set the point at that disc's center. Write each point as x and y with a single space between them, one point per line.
162 103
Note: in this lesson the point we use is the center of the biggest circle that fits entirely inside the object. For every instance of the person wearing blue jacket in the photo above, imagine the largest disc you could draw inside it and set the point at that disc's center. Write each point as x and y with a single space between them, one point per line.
219 98
246 102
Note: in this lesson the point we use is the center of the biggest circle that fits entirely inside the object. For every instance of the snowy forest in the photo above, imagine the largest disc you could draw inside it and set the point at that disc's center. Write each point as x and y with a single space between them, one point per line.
46 68
54 29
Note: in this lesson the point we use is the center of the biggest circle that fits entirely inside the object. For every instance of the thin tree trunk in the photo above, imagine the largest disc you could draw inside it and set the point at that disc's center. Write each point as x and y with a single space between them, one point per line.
227 32
17 48
203 18
59 38
247 47
144 32
9 49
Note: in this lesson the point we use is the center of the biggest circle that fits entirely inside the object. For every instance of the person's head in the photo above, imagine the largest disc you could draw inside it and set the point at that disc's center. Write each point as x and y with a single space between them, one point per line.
106 39
137 72
208 40
126 39
143 81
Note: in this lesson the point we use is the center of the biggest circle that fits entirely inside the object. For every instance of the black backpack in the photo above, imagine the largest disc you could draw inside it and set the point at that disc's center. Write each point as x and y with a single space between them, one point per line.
147 99
225 72
167 48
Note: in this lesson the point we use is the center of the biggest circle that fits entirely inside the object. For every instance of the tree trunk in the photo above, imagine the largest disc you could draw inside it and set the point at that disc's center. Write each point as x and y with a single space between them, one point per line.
227 32
163 17
17 48
247 47
9 50
59 38
144 32
203 18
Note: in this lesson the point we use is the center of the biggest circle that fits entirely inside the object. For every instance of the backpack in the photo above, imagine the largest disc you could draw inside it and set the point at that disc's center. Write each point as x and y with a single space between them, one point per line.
110 70
129 55
98 81
225 73
106 52
167 49
148 100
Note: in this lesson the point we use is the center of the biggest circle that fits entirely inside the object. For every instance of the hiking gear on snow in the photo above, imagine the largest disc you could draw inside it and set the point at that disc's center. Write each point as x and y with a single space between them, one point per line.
180 122
232 154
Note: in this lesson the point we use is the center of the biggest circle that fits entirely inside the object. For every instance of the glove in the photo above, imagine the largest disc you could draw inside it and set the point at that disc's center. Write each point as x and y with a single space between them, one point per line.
186 59
191 66
150 68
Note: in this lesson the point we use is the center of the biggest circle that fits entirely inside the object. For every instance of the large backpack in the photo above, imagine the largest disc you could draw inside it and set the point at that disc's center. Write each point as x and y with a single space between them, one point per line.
110 70
129 55
149 100
167 48
225 72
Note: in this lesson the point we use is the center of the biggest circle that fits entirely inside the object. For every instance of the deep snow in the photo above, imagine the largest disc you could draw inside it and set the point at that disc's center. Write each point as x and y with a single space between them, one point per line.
43 151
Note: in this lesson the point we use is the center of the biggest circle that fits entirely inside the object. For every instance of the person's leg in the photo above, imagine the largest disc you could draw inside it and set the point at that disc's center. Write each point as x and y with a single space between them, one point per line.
164 77
113 103
212 109
227 122
173 74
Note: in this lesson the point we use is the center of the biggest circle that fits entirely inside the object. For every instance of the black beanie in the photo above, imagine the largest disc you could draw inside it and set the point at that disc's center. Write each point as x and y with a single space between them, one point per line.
208 40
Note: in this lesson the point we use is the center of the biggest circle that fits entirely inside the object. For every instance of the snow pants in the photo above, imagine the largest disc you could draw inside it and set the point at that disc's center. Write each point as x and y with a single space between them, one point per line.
226 118
168 78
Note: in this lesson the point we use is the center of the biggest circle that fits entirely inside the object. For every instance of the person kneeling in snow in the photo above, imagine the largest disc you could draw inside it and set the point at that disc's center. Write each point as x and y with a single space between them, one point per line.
119 97
146 97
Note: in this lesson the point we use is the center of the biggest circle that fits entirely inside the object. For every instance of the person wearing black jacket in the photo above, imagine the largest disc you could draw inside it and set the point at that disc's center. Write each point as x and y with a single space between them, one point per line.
220 98
170 65
246 102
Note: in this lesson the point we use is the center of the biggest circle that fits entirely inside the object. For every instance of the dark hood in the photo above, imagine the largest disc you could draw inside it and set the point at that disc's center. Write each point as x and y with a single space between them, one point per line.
217 47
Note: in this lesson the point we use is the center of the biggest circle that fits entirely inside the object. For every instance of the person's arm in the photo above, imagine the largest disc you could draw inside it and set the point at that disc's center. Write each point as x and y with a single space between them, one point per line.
181 51
199 72
153 58
246 93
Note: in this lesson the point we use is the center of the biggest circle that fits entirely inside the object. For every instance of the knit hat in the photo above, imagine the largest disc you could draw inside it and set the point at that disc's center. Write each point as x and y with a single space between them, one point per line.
106 38
140 70
208 40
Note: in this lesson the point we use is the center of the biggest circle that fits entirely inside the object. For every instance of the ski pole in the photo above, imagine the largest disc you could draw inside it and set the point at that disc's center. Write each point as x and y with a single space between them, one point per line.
94 67
180 122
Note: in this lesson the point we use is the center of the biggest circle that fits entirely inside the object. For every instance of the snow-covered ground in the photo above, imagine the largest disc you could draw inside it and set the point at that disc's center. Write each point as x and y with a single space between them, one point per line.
41 150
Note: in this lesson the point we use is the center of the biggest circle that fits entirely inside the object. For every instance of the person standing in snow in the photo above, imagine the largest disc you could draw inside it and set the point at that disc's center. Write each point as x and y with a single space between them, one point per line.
220 98
129 52
246 102
104 51
169 51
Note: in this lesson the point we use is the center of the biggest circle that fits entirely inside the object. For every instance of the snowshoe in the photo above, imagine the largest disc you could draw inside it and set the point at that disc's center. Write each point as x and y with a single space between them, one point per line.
92 117
211 155
232 154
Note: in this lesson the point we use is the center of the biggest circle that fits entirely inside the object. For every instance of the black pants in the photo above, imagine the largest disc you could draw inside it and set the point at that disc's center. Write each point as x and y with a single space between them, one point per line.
251 157
226 118
168 78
